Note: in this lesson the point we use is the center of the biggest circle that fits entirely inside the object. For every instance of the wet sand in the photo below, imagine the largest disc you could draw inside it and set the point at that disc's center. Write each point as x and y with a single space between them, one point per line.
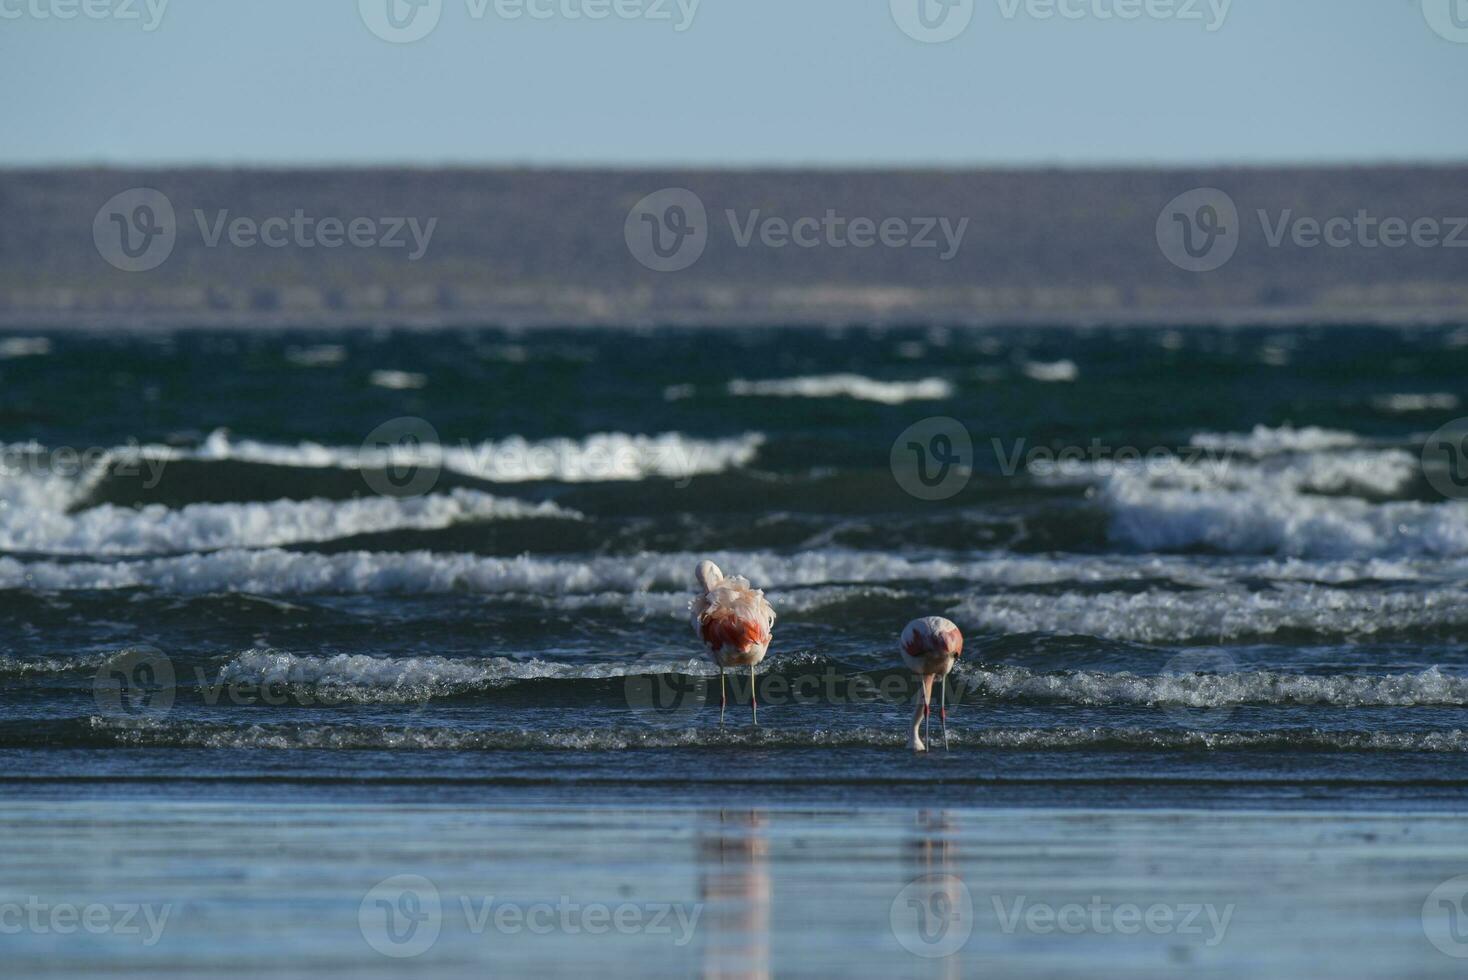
154 887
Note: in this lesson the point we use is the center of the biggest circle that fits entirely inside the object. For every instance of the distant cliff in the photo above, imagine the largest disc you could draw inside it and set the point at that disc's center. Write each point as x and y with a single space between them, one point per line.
531 247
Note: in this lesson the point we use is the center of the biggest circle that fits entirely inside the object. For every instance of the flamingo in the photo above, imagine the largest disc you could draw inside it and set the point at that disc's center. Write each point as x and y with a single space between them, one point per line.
929 647
734 622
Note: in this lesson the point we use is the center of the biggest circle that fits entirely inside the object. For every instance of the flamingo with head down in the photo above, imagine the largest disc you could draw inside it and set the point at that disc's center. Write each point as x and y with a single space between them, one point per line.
930 647
734 622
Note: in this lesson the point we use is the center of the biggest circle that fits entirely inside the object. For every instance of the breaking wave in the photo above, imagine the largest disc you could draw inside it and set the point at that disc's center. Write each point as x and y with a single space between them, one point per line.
846 386
111 530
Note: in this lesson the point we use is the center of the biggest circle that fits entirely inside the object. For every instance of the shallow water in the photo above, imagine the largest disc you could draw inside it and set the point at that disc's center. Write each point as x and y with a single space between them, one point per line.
1205 562
248 889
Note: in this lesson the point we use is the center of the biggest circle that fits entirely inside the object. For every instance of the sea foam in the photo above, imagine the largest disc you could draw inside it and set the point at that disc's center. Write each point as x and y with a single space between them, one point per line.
846 386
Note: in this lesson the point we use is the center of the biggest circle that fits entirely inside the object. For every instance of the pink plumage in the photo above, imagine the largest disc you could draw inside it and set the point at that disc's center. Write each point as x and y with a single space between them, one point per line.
733 621
930 646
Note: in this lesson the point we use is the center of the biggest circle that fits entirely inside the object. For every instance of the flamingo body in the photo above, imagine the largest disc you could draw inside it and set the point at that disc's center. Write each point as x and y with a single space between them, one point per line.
732 620
930 646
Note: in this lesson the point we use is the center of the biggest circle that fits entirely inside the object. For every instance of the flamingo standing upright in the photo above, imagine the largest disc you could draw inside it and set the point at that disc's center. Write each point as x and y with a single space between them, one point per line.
734 622
929 647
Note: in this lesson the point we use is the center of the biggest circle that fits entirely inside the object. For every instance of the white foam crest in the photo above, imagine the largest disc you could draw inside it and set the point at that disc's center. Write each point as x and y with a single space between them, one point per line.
1373 472
1264 440
111 530
34 478
1281 523
845 386
13 347
610 738
1211 690
1409 403
271 570
12 666
368 679
1274 506
635 579
603 456
1051 371
1158 616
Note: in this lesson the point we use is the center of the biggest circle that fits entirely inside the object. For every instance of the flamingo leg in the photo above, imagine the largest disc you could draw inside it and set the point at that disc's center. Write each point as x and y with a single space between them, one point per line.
943 708
723 696
753 697
919 705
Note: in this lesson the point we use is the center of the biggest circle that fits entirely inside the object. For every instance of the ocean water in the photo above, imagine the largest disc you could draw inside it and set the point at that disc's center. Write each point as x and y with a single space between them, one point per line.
449 565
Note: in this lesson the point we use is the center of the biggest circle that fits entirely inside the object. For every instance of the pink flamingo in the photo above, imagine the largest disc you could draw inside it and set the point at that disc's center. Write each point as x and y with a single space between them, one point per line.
734 622
929 647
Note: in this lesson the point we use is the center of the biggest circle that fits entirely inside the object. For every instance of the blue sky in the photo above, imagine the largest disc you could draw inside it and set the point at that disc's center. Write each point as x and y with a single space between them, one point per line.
762 82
